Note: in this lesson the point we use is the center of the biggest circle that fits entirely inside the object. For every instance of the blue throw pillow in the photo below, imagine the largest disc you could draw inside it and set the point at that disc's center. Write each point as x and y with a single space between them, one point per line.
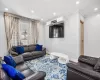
12 72
19 76
38 48
10 61
19 49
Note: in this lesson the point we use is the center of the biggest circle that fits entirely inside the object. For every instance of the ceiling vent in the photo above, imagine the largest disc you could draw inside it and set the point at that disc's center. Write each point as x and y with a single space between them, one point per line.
55 21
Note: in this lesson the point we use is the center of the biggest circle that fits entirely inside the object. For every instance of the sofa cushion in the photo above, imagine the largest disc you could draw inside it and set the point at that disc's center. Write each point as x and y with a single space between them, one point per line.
27 72
18 59
27 54
21 67
19 49
36 53
88 60
38 47
10 61
31 48
26 49
97 66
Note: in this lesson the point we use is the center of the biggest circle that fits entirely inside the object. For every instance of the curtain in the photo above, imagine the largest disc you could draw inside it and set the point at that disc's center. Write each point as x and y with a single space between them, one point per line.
12 29
34 32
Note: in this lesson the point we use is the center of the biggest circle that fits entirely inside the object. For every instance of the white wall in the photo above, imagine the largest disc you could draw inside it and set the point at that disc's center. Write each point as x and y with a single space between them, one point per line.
81 17
70 43
3 46
92 36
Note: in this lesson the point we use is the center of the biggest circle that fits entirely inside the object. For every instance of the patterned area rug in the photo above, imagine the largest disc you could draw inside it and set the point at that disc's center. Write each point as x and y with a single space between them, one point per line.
53 69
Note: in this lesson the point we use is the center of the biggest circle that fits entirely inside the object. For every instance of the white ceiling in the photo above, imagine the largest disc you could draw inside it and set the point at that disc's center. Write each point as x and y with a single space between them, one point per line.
45 8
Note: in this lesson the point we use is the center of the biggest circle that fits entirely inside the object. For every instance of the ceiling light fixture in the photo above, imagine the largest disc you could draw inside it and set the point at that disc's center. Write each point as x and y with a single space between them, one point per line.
6 9
77 2
54 14
95 9
32 11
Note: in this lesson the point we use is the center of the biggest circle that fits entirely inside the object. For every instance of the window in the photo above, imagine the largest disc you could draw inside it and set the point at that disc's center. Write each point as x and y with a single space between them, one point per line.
24 32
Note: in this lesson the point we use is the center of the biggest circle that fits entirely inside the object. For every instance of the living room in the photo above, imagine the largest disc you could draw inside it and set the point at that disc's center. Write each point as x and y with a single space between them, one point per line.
55 35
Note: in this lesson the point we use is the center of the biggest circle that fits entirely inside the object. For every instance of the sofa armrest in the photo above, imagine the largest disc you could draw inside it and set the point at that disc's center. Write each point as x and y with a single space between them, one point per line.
36 76
44 50
91 73
88 60
13 53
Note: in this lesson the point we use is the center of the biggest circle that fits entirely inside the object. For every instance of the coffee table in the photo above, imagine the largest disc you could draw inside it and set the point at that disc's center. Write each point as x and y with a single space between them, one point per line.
62 58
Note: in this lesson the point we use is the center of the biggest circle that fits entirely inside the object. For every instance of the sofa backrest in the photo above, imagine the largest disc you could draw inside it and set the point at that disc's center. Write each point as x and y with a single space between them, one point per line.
27 48
88 60
31 48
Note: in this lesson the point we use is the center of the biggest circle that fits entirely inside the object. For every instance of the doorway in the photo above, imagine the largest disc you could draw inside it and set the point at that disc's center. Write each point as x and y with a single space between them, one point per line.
81 37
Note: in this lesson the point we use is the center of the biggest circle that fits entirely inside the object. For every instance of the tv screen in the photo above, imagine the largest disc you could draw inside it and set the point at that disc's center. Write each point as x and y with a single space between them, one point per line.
56 31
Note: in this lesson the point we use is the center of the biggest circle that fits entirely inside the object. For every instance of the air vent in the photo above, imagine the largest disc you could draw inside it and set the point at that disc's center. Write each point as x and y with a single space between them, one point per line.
55 21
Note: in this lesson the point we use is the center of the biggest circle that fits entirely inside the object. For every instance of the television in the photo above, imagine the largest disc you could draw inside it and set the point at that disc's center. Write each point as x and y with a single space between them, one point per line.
56 30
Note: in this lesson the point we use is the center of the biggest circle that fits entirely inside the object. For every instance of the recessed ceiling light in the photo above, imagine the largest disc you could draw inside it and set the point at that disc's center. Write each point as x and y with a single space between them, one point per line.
54 13
41 19
95 9
77 2
6 9
32 11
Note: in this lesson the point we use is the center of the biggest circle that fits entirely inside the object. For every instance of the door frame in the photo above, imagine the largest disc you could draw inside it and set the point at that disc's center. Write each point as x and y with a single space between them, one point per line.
81 22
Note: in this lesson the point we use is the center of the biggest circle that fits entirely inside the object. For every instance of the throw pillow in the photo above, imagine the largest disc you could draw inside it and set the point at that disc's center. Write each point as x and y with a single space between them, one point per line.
19 49
10 61
9 70
38 48
12 72
97 66
19 76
